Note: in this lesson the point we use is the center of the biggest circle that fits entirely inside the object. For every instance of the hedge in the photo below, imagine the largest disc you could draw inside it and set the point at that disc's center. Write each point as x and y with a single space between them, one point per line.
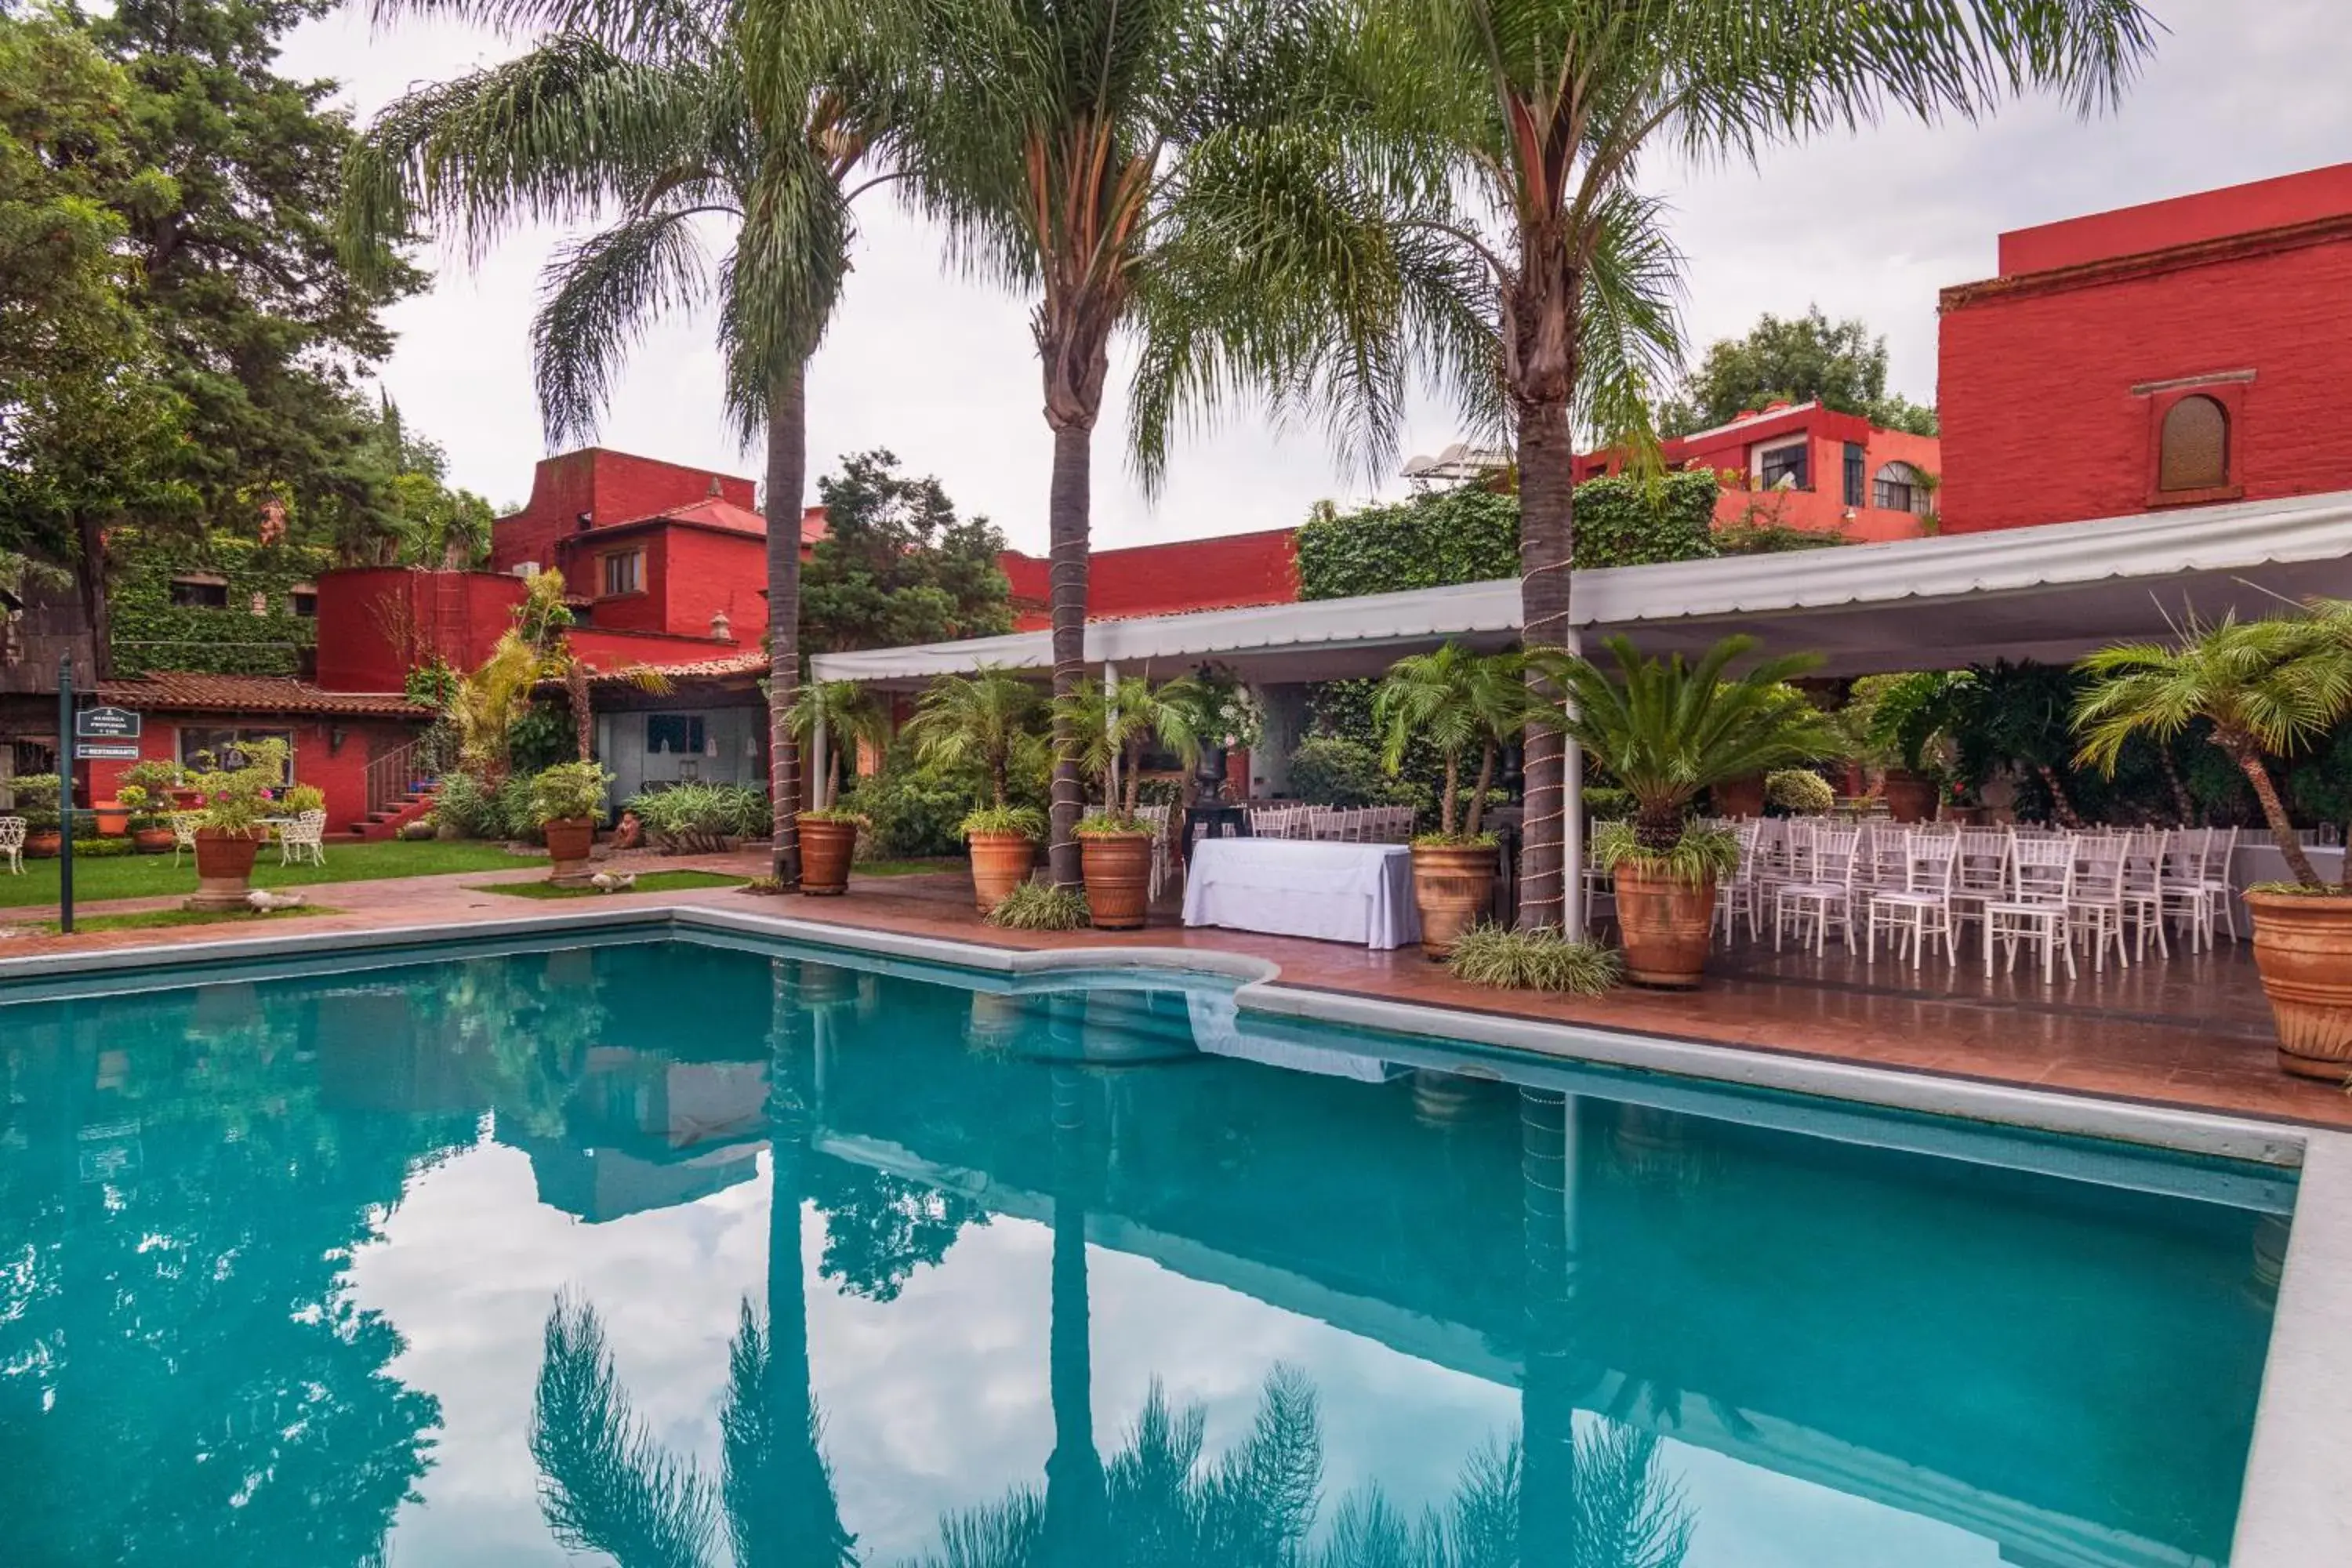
150 632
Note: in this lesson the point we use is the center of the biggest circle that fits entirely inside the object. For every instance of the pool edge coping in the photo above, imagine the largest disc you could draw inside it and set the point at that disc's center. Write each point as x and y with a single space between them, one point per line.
2293 1511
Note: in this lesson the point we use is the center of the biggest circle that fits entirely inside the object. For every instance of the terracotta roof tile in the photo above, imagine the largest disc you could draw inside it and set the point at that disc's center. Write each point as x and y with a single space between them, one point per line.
184 691
709 668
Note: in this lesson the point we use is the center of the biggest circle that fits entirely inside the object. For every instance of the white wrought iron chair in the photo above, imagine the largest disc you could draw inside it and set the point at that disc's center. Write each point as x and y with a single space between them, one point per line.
183 835
304 838
2034 911
1824 895
1920 910
11 843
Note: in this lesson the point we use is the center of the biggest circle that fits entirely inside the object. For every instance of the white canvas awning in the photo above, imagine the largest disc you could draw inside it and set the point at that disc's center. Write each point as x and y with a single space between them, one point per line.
2051 592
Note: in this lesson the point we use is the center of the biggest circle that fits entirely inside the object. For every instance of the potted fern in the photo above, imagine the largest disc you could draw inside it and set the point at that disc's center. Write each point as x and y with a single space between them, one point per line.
982 723
235 790
2265 687
1665 729
565 801
1458 701
847 715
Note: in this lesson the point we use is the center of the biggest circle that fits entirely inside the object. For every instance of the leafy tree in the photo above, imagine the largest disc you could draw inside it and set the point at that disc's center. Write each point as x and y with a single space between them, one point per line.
1517 127
1803 359
431 524
896 565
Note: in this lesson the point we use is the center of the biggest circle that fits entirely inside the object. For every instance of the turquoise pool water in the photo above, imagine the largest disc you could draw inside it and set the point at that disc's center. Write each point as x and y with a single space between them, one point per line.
681 1254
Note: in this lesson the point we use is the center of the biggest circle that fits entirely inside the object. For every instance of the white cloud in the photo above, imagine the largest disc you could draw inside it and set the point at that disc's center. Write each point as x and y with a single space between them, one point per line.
940 369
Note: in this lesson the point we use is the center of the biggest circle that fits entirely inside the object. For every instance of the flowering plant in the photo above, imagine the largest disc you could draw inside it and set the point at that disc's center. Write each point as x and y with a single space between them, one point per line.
233 799
1232 715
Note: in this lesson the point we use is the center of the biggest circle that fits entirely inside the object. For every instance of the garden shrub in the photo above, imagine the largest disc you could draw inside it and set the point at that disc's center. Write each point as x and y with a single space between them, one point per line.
698 818
914 811
465 804
1800 791
1338 770
1034 906
510 814
1539 960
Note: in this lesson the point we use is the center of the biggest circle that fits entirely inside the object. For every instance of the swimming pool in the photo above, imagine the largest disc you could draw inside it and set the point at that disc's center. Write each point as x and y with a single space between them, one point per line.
466 1260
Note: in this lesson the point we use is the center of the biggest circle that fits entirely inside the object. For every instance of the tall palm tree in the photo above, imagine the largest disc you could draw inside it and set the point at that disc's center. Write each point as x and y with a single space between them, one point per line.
1143 164
639 116
1528 119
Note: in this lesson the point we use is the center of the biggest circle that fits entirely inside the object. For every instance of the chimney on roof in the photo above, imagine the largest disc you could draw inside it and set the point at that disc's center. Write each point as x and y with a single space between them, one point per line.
582 523
1777 405
715 491
721 628
1749 413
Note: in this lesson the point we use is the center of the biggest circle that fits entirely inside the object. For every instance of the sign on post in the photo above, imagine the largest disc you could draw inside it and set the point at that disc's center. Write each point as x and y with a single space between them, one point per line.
105 752
108 724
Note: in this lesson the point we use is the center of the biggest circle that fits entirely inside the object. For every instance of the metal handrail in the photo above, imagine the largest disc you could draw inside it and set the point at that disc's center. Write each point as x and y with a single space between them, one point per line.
396 775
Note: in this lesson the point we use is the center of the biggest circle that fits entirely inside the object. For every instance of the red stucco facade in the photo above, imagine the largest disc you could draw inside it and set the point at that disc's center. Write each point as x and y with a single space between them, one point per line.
2056 376
606 487
1237 570
330 754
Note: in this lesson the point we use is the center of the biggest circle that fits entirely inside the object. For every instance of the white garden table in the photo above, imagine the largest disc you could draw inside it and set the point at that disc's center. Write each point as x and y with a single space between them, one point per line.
1359 893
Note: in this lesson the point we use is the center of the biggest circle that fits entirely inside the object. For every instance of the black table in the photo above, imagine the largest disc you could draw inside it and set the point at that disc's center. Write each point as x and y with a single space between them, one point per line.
1214 822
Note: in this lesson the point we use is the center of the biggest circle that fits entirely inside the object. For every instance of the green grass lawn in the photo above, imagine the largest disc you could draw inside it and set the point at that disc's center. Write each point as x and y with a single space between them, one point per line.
154 919
647 882
906 868
153 877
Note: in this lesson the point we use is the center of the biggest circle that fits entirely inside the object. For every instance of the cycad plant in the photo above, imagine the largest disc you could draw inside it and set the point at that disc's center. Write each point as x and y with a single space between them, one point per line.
2264 686
641 120
1666 729
847 715
1457 702
984 722
1515 130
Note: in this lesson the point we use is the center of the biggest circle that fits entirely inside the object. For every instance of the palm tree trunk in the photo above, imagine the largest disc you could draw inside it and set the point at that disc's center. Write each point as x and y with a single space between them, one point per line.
584 713
1067 509
2062 806
1547 544
1075 1496
90 580
1448 804
2275 813
787 475
1547 1524
1478 795
2182 803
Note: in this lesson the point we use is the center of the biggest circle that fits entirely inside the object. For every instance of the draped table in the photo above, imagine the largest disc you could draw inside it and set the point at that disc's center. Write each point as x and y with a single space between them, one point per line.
1359 893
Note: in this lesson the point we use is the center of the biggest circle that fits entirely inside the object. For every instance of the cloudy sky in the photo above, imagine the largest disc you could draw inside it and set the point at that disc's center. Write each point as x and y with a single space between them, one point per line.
941 371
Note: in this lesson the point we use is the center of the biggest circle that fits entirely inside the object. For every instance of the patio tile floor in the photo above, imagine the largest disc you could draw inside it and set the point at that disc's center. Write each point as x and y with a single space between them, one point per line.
2191 1031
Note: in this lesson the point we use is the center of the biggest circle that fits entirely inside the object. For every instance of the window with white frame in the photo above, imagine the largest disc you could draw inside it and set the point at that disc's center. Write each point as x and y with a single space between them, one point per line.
1787 466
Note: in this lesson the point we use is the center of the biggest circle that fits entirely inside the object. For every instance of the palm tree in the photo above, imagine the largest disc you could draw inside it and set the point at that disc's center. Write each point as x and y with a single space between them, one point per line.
1146 164
642 119
528 655
846 713
1666 729
1528 119
1453 700
980 722
1112 726
2264 686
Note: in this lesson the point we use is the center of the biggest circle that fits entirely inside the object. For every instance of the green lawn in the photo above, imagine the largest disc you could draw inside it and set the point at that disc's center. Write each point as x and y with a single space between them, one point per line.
152 876
152 920
647 882
907 868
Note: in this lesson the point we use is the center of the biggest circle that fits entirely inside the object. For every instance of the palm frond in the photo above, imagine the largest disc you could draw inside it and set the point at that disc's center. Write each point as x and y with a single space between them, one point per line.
598 296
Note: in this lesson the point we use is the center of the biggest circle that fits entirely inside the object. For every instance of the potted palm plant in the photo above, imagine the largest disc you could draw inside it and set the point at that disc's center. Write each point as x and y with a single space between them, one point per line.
1114 843
1457 702
982 723
235 790
1665 729
566 801
2264 686
847 715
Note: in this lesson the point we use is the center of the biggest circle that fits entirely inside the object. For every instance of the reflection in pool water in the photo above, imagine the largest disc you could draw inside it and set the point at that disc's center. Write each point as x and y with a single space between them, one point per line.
492 1260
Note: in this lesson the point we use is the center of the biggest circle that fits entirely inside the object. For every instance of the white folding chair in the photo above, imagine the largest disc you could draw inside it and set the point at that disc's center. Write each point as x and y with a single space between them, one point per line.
2096 906
2220 849
11 843
1920 910
1823 896
2185 888
1980 873
2035 910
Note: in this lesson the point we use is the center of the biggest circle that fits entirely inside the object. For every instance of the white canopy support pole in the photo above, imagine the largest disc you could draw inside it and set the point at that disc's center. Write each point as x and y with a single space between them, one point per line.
1111 796
818 771
1571 823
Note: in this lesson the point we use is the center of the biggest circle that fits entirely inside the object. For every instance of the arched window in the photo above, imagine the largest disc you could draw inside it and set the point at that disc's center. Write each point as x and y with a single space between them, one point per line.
2193 453
1899 486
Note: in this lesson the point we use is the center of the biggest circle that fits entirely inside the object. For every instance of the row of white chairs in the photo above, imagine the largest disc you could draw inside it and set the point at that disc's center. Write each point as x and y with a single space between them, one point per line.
1333 823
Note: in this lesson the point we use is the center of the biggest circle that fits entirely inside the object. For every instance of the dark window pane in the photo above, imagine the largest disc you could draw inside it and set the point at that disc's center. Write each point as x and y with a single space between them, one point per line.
197 593
1788 463
675 733
1853 466
2195 455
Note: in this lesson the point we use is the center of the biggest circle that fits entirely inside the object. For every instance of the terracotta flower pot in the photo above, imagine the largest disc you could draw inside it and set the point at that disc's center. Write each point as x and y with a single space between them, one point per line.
223 869
1910 797
1000 863
43 844
569 839
153 841
827 845
1118 868
1665 923
1453 889
2303 945
1739 797
113 818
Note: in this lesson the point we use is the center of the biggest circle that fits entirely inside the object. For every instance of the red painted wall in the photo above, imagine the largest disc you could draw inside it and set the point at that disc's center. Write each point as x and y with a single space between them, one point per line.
2306 197
1822 508
340 772
706 573
376 624
2040 420
1228 573
602 648
610 487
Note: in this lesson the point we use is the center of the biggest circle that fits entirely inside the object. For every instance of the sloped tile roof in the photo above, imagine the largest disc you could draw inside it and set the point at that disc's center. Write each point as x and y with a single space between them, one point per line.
704 669
183 692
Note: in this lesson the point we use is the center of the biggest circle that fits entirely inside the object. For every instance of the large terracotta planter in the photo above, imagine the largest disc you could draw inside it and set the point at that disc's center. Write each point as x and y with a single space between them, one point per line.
1910 797
43 844
223 869
827 846
1453 889
1118 868
153 840
1000 863
1665 923
1739 797
113 818
2303 945
569 839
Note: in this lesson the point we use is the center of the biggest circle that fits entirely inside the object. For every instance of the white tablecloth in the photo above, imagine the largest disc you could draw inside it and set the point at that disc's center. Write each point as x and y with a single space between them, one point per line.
1290 886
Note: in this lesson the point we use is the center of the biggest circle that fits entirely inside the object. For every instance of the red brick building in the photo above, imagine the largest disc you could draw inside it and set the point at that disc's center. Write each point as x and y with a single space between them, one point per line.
1223 573
2176 354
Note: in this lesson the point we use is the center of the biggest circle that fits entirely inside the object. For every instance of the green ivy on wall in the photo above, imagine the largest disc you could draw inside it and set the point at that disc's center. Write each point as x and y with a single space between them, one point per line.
150 632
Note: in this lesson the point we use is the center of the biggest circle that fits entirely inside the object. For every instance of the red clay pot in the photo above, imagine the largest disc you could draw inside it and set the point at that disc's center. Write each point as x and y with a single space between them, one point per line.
827 845
1739 797
1453 889
223 868
153 840
113 818
1910 797
43 844
1000 863
2303 945
1665 924
569 840
1118 868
